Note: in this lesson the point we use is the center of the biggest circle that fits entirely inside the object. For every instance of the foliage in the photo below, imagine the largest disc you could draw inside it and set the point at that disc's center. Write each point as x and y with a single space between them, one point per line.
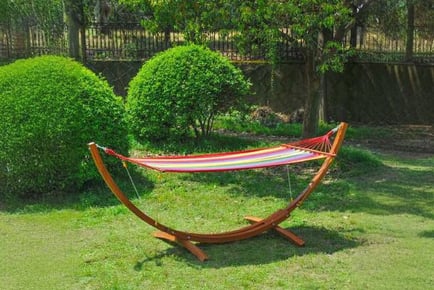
193 18
17 16
311 26
390 16
48 14
425 15
51 107
182 87
386 14
311 22
258 24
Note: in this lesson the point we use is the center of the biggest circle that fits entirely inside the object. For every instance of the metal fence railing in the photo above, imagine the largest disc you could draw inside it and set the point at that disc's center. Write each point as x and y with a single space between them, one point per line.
129 41
373 45
373 39
27 41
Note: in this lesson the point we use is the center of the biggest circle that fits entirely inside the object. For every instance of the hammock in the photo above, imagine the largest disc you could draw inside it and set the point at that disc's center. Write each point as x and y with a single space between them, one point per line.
295 152
310 149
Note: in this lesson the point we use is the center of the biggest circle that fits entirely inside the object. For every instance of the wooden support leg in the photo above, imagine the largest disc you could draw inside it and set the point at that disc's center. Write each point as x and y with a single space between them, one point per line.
285 233
186 244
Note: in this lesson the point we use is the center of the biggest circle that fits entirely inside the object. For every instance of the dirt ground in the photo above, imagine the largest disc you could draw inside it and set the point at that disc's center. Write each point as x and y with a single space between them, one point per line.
408 140
405 140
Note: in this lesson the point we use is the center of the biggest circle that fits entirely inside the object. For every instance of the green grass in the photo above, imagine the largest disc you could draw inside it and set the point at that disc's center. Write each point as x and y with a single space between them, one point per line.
368 226
242 123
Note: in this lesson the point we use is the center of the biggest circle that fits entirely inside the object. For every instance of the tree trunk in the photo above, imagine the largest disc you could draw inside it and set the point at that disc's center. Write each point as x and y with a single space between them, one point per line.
410 30
353 39
83 43
313 85
74 18
322 91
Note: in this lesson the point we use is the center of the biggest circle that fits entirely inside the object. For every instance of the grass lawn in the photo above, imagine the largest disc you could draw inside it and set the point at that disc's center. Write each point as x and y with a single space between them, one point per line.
369 230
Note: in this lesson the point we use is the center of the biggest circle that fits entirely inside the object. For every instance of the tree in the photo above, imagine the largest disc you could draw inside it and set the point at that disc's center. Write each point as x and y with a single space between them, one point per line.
46 13
259 23
311 24
420 16
19 15
400 19
318 26
314 22
193 18
75 20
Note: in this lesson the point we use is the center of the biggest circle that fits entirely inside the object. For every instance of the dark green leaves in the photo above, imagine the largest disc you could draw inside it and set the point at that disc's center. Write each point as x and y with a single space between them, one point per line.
50 108
182 89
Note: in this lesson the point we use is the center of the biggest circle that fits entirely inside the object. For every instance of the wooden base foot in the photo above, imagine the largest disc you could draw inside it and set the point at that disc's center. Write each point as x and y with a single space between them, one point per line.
186 244
285 233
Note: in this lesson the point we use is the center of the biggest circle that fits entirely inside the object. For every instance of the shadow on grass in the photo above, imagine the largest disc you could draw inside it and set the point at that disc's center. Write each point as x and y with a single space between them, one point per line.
398 189
263 249
96 195
256 183
427 234
402 189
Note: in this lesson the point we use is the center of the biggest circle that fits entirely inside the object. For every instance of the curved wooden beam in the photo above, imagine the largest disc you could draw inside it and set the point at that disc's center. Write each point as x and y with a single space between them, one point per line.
202 238
257 227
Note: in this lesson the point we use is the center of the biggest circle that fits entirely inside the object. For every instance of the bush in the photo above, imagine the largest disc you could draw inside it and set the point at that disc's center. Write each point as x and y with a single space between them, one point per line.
182 88
51 107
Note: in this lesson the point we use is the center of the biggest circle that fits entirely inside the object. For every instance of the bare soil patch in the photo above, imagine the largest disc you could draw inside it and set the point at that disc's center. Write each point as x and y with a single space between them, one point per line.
407 140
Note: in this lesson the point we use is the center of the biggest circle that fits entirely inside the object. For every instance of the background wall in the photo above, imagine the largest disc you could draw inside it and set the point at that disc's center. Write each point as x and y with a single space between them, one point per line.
382 93
363 93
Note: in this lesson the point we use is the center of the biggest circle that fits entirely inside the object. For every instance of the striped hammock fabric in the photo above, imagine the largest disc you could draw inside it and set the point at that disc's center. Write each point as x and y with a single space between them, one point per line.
301 151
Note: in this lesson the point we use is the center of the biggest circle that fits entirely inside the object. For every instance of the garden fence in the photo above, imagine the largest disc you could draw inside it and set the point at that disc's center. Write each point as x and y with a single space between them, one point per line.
129 41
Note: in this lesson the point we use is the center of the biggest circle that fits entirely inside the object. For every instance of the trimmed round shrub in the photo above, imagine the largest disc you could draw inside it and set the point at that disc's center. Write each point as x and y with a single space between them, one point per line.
182 88
50 108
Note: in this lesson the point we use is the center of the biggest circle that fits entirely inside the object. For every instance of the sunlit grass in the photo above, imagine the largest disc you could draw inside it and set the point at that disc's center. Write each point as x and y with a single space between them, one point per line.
369 225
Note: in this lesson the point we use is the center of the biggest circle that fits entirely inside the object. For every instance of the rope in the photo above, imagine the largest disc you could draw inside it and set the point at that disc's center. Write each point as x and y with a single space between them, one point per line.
101 147
124 163
289 183
131 179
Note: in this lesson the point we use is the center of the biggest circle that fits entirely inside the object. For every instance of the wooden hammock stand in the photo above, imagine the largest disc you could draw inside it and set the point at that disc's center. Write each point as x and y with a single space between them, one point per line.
257 225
